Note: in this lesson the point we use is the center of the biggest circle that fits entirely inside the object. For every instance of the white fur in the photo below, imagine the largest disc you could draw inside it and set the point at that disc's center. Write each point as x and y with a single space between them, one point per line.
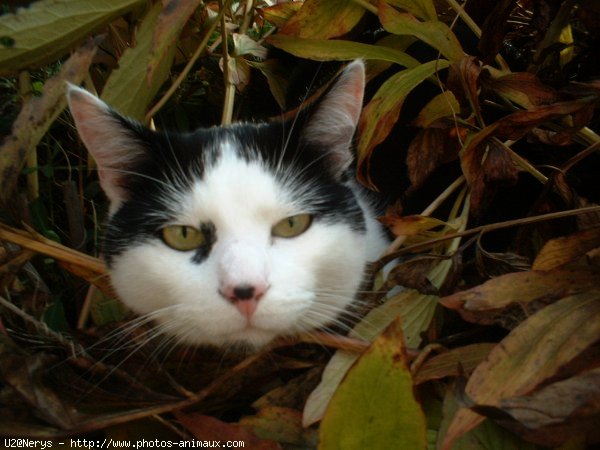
311 278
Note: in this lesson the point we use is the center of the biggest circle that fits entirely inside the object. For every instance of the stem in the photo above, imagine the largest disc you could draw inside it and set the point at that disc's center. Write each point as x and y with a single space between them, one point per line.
201 47
31 162
229 86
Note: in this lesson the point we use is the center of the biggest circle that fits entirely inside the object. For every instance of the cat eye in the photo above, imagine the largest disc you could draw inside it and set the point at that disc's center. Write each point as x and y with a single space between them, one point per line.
182 237
292 226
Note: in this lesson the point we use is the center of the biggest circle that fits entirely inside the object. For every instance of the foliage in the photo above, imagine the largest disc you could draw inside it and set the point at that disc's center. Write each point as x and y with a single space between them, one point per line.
482 124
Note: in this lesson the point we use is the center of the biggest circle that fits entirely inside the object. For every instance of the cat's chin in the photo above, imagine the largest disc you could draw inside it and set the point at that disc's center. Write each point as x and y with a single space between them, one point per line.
249 339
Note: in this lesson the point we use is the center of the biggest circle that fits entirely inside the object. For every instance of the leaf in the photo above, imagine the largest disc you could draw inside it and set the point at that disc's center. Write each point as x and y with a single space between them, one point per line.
380 115
455 362
173 17
48 29
487 167
36 116
555 413
558 252
494 30
416 310
423 9
339 50
410 225
208 428
323 19
374 407
531 353
442 105
523 88
487 302
486 436
283 425
431 148
277 78
280 13
128 89
435 33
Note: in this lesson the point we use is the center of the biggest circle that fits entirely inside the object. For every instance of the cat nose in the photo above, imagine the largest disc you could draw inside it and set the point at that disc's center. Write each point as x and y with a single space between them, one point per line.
245 297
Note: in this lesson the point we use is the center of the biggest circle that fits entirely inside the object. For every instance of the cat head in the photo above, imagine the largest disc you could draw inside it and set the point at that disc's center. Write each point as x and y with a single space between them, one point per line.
235 234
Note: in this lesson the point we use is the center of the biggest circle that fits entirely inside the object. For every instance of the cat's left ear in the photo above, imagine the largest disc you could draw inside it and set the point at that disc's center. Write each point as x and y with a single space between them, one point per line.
111 139
333 123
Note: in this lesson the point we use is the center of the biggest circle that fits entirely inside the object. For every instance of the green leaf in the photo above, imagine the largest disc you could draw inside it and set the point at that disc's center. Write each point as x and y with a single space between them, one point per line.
339 50
128 89
323 19
435 33
48 29
382 112
374 407
442 105
416 310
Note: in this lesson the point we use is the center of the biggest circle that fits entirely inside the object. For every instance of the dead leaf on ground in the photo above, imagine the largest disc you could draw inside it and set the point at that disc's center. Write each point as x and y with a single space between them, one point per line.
560 251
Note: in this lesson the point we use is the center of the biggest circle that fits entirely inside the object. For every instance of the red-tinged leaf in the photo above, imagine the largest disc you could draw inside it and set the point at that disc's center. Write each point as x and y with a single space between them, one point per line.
463 80
431 148
380 115
558 252
410 225
170 23
323 19
456 362
433 32
280 13
208 428
487 167
522 88
374 406
525 291
531 354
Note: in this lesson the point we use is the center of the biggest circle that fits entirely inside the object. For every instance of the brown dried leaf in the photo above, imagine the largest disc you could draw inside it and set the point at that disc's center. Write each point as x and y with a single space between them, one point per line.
455 362
558 252
413 274
532 353
526 291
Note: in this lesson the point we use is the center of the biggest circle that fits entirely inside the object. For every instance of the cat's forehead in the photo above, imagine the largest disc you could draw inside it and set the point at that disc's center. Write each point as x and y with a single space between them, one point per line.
235 188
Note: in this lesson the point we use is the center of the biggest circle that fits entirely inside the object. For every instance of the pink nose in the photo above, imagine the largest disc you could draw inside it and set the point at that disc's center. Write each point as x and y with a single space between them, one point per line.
244 297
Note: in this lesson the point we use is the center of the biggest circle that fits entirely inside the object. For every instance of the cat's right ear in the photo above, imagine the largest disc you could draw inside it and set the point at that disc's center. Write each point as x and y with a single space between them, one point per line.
107 136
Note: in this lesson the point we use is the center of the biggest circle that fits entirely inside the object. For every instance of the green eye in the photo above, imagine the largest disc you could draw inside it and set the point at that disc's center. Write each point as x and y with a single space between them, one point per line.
182 237
292 226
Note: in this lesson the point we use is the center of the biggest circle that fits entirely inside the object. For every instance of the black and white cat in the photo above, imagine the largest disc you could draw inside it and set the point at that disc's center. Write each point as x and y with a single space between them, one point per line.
235 234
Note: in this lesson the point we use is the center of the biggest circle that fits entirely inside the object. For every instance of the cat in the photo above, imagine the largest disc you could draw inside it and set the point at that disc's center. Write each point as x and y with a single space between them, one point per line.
238 234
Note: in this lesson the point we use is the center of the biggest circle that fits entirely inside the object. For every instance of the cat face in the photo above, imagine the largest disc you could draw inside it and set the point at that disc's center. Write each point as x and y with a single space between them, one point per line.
237 234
